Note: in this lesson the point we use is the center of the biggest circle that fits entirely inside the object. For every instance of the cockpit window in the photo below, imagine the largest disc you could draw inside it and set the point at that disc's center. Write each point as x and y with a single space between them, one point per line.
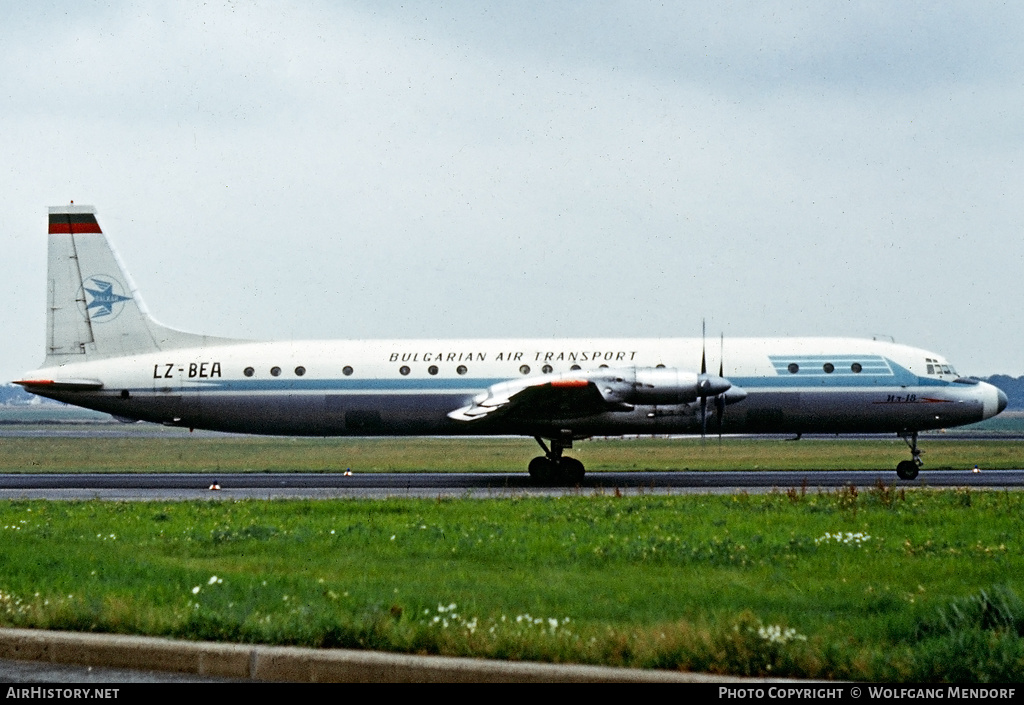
935 367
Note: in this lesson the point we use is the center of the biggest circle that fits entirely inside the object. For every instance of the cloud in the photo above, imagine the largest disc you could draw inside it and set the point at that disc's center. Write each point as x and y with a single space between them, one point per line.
474 169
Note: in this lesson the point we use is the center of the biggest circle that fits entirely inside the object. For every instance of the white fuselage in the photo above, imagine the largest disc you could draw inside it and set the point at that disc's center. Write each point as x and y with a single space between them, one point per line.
410 387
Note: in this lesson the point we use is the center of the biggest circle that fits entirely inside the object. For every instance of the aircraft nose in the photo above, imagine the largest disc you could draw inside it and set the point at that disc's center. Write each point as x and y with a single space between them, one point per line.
1002 401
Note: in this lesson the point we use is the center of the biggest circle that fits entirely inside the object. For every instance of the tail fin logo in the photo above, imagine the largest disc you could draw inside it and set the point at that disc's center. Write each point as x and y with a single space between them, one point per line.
106 299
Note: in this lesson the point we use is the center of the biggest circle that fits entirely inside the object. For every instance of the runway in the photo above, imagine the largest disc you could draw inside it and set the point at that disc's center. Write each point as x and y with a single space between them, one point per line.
227 486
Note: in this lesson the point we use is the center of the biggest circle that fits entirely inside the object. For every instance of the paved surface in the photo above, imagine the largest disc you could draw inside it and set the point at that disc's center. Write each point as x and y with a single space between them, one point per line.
182 486
12 671
32 656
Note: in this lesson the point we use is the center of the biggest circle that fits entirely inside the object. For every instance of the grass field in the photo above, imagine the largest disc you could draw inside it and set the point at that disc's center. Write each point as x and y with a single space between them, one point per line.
886 585
260 454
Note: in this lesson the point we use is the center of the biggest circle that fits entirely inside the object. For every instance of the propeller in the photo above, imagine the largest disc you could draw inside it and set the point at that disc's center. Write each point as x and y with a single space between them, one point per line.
711 386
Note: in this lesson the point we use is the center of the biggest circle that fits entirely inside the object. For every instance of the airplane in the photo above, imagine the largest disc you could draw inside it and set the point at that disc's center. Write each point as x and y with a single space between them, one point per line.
105 352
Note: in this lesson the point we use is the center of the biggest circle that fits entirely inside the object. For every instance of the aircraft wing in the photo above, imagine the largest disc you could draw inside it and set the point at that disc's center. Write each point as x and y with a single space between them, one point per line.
536 398
573 395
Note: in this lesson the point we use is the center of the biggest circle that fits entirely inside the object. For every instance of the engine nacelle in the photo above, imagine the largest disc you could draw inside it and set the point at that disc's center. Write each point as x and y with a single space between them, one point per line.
655 385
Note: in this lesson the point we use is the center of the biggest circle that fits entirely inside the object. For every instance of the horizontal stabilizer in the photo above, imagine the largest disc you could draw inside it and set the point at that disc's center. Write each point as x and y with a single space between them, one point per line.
62 384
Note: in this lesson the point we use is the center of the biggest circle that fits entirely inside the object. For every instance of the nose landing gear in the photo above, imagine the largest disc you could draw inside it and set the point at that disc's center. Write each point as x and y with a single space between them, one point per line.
908 469
553 467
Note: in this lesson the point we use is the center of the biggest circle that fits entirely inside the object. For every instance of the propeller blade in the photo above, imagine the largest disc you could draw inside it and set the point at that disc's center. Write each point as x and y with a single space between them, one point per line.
720 399
703 349
703 418
703 382
720 414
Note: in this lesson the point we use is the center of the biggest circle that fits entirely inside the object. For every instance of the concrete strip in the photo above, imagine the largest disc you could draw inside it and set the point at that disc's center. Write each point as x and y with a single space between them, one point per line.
304 665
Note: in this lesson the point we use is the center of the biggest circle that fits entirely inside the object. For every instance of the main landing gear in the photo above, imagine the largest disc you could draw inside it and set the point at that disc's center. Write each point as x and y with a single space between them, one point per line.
553 467
908 469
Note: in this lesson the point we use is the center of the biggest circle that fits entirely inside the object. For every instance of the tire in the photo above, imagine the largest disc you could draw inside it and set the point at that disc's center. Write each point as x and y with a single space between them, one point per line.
907 470
573 470
540 469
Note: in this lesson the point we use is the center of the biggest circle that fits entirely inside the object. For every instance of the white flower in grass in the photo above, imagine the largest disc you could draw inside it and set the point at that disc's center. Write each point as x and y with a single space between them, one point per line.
847 539
775 634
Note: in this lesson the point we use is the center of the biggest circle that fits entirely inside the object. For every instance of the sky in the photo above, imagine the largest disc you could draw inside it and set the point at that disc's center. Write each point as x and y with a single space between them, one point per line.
282 170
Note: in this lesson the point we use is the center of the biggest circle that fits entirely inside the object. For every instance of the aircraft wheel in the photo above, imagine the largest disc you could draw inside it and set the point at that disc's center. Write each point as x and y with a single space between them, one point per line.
907 470
572 470
541 469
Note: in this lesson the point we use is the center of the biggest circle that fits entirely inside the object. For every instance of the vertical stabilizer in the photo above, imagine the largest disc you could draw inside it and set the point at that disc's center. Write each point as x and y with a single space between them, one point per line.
91 307
93 310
